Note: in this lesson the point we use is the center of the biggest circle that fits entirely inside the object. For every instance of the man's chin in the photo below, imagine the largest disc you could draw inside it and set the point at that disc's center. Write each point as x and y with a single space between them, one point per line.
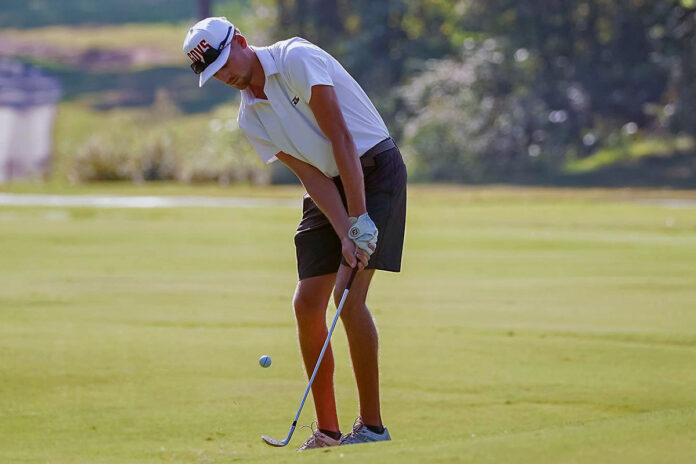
240 85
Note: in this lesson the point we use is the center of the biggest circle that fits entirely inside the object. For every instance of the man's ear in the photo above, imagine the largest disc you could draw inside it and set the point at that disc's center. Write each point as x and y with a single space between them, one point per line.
241 40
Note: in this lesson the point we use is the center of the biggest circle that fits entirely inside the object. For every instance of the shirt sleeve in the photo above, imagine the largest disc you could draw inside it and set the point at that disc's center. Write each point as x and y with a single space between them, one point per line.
265 149
256 134
305 67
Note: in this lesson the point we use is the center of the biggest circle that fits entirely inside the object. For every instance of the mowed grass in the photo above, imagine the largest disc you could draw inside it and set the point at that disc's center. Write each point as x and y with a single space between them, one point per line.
527 326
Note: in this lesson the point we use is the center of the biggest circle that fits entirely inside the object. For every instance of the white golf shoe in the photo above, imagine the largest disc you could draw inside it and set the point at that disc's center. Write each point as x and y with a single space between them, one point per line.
361 434
318 440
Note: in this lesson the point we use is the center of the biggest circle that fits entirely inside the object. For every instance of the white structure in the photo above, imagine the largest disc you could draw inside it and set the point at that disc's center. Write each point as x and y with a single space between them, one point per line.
27 110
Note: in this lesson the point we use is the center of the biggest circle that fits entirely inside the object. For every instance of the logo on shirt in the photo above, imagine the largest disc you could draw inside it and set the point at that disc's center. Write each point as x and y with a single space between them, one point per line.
295 101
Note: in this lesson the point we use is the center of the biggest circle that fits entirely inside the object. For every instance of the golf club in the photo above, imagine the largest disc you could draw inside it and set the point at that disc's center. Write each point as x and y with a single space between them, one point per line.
273 441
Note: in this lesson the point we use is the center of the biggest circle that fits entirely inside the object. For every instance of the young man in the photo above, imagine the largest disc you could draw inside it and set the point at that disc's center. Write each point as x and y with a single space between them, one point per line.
299 105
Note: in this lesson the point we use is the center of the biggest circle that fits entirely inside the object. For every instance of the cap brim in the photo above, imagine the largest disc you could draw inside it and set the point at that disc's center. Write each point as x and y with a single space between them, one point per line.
214 67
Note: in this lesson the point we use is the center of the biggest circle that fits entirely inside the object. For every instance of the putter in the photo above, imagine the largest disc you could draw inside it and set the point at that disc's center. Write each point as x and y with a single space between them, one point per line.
273 441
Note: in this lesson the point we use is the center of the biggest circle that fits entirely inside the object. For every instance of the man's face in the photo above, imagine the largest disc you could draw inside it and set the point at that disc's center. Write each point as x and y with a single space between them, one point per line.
237 70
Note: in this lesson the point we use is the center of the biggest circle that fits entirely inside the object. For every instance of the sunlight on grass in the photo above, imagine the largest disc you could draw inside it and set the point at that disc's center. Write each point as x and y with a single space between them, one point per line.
648 146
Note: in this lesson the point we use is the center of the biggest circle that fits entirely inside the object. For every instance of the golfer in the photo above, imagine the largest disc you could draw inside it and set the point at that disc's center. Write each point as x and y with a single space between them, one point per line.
298 105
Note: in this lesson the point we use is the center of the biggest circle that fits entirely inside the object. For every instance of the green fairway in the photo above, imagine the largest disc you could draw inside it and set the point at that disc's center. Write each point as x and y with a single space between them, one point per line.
528 326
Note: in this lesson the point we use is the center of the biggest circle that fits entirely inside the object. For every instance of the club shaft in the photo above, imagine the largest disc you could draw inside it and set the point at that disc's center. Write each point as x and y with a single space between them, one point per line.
321 355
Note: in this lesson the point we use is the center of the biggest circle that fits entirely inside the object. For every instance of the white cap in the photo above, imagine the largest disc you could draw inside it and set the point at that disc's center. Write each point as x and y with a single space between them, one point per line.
214 33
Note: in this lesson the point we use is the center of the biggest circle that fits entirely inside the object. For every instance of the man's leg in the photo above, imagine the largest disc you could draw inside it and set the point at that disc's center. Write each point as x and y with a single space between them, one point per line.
310 302
363 341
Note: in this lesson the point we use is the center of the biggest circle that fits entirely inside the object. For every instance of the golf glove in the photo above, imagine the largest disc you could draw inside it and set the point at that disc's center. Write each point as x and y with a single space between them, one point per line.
363 232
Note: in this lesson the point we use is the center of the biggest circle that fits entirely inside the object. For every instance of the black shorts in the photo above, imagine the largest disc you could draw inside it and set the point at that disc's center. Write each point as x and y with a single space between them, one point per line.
318 247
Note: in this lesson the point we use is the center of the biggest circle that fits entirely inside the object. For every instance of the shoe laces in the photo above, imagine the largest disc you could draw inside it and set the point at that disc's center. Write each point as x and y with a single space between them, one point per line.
313 427
355 433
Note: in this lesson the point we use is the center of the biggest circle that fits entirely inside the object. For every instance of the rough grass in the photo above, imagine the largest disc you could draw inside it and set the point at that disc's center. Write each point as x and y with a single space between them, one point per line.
530 326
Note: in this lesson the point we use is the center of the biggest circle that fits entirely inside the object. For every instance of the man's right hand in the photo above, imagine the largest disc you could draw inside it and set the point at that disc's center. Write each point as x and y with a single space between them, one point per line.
354 255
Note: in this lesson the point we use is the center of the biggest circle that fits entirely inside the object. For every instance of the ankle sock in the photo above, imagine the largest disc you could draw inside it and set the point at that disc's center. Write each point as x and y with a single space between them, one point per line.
332 434
379 429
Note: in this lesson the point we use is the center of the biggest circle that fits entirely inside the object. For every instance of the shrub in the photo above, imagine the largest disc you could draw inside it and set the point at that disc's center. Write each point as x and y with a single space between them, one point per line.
479 119
157 160
152 146
222 154
100 159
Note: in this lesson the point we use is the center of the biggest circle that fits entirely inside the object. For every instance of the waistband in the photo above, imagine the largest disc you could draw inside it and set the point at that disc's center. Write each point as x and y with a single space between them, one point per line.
368 159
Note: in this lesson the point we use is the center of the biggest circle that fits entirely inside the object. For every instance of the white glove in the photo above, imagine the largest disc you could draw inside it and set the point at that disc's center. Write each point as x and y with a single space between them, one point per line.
363 232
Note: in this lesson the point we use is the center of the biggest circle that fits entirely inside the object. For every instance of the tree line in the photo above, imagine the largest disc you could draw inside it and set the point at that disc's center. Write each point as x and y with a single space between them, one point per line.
486 90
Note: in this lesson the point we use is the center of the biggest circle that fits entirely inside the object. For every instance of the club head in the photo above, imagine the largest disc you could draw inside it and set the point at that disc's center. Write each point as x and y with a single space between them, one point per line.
273 441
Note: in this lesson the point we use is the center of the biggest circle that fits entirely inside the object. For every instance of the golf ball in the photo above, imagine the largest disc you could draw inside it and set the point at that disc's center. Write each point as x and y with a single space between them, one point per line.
265 361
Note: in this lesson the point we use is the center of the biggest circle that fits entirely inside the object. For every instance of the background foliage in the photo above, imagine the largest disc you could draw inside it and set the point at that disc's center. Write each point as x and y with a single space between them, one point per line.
579 91
503 90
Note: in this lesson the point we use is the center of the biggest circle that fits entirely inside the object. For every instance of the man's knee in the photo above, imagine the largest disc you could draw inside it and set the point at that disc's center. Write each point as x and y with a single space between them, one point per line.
358 291
353 299
308 307
353 308
311 298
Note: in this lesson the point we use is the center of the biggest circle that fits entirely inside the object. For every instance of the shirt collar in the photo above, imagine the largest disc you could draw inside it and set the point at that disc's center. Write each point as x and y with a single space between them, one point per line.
269 68
267 62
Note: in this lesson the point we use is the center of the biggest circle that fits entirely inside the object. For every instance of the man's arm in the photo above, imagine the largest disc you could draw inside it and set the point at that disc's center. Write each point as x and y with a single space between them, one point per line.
322 190
324 105
325 194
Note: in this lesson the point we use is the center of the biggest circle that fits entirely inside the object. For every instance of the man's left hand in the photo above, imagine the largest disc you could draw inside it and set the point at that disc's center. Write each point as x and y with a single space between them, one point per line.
363 233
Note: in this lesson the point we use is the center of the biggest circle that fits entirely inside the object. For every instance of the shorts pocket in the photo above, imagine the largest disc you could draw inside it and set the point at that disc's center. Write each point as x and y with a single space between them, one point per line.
379 178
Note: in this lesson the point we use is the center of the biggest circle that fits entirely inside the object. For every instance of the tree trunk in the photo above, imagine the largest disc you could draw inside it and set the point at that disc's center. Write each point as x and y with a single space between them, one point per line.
203 9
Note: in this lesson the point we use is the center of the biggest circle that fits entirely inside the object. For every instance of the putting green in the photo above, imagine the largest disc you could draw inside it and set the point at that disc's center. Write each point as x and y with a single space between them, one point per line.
527 326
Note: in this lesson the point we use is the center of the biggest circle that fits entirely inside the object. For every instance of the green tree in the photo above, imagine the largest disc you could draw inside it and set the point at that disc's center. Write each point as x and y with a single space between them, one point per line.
378 42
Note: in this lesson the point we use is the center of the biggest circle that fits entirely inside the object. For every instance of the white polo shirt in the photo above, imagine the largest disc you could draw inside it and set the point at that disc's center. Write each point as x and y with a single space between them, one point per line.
285 121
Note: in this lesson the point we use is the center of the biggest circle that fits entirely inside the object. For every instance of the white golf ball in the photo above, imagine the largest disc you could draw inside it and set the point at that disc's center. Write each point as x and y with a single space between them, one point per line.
265 361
